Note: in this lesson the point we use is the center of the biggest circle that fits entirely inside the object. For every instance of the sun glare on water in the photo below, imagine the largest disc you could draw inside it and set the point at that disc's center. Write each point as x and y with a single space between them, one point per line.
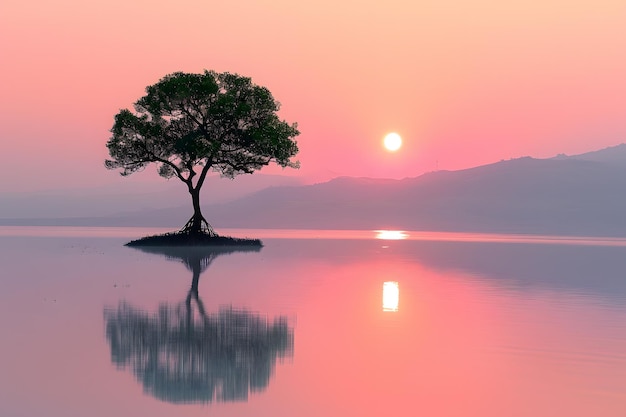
391 296
392 142
391 234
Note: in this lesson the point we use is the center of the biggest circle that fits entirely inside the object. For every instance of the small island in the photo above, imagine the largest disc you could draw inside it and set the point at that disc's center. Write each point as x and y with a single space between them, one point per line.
190 124
197 239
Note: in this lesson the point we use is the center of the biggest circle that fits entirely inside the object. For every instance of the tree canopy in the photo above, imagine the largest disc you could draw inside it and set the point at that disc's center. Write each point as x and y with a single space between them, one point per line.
190 124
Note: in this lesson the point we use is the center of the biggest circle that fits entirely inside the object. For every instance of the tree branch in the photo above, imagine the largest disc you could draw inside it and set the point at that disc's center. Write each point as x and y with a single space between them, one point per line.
186 111
174 167
205 170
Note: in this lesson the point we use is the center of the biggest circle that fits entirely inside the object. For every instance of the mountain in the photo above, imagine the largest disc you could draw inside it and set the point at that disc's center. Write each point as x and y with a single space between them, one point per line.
614 155
566 195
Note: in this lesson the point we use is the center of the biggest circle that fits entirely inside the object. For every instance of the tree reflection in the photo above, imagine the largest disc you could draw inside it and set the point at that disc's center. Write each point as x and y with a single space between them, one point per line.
183 354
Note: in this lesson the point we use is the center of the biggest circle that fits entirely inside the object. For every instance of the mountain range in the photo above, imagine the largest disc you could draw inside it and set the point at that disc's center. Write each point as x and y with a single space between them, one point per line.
581 195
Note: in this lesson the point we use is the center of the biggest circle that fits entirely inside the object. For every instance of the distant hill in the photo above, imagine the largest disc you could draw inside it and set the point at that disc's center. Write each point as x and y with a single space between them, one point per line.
567 195
614 155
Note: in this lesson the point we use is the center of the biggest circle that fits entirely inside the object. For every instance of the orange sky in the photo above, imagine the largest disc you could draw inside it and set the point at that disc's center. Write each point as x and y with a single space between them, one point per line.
464 82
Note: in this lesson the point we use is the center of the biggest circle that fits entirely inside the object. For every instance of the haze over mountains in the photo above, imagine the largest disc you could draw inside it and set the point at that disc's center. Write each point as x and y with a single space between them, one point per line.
129 196
569 195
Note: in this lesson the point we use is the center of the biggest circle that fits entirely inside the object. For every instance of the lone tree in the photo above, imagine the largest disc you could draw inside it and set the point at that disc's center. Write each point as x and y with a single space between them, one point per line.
190 124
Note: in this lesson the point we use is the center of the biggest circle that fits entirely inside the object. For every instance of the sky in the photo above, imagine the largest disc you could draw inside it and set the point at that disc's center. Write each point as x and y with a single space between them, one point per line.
463 82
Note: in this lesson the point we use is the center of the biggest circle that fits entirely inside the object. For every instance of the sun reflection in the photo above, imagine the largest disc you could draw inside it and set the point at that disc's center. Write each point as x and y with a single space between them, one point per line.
391 234
391 296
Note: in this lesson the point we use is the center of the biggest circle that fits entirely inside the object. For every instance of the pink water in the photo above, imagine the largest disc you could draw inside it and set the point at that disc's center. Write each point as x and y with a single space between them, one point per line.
483 326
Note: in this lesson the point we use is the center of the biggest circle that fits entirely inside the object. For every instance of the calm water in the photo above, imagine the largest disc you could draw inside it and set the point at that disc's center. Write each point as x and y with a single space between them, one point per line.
314 324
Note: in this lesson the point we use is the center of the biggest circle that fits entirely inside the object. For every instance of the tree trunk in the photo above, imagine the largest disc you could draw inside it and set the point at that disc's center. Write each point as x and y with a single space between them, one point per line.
197 224
196 219
196 267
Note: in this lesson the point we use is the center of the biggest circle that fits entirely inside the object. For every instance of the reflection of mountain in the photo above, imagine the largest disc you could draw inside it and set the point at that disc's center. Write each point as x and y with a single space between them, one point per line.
582 269
183 355
587 270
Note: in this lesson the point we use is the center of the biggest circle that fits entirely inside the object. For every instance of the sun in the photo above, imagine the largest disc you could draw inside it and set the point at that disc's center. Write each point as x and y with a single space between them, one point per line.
392 142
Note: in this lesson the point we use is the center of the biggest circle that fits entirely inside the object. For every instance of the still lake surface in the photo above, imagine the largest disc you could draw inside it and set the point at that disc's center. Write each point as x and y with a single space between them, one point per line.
316 323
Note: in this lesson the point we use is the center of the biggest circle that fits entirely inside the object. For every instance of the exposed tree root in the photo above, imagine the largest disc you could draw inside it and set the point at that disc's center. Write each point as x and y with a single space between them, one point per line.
192 227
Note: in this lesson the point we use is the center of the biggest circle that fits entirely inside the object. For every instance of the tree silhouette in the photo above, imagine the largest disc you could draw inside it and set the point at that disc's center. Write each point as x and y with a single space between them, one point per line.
189 124
184 356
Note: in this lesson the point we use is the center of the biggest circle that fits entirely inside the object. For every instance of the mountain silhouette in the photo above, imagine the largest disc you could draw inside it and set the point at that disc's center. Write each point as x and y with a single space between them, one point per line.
565 195
568 196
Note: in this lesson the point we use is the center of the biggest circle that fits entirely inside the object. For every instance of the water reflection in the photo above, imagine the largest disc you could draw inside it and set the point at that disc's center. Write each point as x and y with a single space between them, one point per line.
182 354
391 235
391 296
589 270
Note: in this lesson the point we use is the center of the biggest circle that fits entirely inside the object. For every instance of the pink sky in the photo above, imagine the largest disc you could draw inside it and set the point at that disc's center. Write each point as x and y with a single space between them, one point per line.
464 82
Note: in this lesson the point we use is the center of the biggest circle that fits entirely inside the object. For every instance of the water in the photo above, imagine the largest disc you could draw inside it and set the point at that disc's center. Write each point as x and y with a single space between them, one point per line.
314 324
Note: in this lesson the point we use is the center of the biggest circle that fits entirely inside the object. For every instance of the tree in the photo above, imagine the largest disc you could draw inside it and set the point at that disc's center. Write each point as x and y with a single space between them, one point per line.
190 124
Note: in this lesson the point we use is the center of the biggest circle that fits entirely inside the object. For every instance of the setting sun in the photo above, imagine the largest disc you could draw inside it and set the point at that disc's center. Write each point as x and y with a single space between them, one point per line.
392 142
